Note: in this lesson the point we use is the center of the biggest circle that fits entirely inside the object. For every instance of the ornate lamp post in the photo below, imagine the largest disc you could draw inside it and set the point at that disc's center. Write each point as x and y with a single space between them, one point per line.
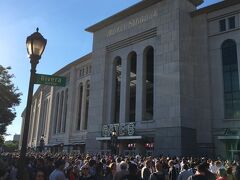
35 47
114 142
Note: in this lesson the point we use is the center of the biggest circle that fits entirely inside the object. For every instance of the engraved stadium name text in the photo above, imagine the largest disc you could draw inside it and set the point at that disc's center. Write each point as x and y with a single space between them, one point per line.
132 23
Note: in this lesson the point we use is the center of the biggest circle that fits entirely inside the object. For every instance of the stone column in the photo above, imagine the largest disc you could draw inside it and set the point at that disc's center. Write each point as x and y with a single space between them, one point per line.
124 94
59 113
42 116
70 120
238 59
83 105
63 110
39 111
139 88
30 134
52 113
112 87
48 116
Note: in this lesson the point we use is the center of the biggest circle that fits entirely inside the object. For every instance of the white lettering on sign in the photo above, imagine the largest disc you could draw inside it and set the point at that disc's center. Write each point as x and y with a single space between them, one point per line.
123 129
132 23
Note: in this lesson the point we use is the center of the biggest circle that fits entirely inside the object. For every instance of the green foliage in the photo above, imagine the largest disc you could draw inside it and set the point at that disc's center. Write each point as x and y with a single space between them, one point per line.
9 98
10 146
1 140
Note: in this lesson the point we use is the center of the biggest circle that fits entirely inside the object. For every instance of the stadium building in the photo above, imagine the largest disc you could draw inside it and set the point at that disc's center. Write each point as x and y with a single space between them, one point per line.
162 73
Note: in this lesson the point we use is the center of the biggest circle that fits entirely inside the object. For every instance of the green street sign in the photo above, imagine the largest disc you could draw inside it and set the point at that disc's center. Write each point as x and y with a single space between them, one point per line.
50 80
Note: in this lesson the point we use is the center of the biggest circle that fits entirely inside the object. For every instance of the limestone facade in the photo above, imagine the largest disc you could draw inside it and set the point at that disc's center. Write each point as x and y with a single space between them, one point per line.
188 115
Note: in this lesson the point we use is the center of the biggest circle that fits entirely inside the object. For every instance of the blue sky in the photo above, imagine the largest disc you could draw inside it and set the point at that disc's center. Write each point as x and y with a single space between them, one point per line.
62 23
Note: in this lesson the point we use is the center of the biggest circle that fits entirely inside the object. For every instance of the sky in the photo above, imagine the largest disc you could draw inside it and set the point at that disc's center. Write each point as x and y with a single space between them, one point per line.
62 23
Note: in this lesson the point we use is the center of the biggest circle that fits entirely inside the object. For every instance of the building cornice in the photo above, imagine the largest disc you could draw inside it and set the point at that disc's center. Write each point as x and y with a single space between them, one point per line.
196 2
122 14
74 63
215 7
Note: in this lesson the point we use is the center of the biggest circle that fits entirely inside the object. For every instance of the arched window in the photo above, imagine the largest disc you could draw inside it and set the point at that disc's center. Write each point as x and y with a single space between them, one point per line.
230 80
56 114
117 87
80 106
65 111
148 83
86 105
132 58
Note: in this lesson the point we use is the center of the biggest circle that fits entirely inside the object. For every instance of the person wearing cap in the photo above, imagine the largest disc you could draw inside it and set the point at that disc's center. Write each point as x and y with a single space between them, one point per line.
58 174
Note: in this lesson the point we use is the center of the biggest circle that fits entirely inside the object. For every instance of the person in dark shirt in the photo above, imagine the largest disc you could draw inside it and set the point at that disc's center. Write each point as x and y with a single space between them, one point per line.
145 172
172 172
200 174
159 174
133 169
86 173
210 175
237 172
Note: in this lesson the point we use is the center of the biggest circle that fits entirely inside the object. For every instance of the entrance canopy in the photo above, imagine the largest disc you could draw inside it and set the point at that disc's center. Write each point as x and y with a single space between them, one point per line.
228 137
119 138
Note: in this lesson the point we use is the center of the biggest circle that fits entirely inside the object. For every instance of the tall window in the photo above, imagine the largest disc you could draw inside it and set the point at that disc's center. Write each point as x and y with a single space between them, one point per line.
222 25
80 106
117 83
231 80
231 22
87 104
148 83
65 111
132 57
56 114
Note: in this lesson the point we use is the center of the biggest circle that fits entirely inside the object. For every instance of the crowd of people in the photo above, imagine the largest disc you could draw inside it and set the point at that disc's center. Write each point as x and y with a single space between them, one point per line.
47 166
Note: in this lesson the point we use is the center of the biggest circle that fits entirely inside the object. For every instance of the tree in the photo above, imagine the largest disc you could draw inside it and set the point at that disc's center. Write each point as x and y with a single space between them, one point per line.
10 146
9 98
1 140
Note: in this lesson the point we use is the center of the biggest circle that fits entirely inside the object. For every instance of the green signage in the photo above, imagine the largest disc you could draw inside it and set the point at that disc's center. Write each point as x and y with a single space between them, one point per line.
50 80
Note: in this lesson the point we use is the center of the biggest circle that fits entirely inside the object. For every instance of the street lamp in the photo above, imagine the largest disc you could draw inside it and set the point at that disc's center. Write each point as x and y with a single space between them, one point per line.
114 142
35 47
